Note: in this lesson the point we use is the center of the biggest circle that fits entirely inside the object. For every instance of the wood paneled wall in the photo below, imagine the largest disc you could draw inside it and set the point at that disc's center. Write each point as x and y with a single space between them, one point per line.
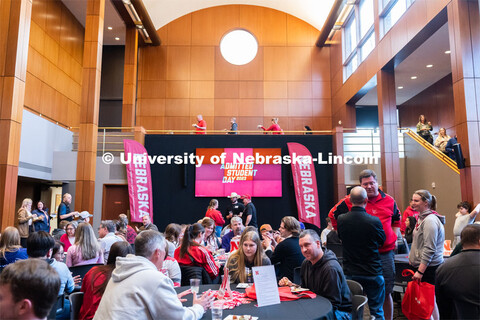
54 69
436 103
186 75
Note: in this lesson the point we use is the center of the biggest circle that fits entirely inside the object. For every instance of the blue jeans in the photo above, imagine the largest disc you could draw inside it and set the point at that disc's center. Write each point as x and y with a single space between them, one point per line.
374 287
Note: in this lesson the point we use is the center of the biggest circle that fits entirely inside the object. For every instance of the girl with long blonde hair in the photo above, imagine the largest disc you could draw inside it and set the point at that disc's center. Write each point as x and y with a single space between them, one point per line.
86 249
249 254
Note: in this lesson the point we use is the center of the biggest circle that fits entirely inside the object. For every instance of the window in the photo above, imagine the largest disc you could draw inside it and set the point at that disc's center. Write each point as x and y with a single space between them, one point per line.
239 47
350 35
366 16
391 11
358 36
368 46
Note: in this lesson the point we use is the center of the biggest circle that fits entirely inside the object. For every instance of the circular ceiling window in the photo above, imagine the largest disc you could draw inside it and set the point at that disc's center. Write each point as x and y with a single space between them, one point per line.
239 47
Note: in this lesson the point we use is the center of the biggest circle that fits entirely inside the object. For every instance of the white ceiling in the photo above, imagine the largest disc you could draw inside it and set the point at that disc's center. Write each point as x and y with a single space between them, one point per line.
79 9
315 12
161 12
432 52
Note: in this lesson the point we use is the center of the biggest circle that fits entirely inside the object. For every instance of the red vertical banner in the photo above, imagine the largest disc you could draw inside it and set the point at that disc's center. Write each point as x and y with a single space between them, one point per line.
139 180
305 184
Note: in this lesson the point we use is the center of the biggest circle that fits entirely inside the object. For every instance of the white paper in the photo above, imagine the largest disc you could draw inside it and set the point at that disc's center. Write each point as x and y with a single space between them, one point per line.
266 285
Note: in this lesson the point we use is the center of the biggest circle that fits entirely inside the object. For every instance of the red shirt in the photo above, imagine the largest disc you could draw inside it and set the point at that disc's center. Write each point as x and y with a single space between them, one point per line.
201 258
407 213
384 207
216 216
202 124
66 242
91 300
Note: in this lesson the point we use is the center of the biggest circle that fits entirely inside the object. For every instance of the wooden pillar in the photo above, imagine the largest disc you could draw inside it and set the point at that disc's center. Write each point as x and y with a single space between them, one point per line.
15 17
139 135
87 140
387 118
464 36
130 78
339 169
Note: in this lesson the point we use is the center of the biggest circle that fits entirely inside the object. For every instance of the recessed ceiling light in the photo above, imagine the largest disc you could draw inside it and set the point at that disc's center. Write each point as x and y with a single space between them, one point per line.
413 78
429 65
400 87
117 38
447 52
109 28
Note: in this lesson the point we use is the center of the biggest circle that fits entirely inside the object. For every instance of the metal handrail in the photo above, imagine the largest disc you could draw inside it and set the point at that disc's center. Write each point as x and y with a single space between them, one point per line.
434 151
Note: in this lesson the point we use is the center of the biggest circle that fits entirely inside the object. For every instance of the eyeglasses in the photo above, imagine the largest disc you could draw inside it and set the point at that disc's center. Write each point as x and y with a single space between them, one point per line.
70 228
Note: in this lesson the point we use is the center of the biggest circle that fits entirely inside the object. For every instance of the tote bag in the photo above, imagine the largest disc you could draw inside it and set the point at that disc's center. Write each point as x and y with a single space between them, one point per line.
419 299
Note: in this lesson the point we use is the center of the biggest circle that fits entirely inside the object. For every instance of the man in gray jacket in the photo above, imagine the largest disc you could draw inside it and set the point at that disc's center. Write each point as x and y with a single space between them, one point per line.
137 290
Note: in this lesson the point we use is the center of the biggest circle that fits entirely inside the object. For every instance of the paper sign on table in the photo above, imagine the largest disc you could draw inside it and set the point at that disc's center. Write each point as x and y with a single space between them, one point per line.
266 285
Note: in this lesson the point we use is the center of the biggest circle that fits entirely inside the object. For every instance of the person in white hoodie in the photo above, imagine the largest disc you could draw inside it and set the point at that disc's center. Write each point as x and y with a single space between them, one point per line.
137 290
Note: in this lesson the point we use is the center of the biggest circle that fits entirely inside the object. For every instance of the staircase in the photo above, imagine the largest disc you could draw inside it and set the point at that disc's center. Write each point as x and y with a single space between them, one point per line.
434 151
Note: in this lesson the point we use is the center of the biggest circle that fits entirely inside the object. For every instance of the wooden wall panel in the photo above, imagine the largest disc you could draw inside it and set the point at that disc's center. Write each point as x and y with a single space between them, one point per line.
187 75
54 67
427 102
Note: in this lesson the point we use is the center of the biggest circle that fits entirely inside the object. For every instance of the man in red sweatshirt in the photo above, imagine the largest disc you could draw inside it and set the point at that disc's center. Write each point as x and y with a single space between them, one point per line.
384 207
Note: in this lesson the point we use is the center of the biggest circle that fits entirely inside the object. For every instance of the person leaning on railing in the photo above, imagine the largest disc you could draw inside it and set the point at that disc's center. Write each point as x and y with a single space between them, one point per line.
442 140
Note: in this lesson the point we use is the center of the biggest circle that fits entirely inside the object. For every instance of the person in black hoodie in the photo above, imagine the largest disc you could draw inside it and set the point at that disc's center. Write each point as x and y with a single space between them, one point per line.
322 274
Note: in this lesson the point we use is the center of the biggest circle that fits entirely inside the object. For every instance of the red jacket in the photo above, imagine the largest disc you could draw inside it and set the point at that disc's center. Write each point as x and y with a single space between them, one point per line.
216 216
198 256
384 207
91 300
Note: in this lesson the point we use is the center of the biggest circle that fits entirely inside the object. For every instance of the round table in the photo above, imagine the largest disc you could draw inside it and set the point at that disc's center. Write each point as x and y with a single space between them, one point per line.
318 308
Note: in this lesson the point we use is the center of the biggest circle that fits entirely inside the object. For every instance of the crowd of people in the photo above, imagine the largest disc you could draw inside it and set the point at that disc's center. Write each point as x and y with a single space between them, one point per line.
148 264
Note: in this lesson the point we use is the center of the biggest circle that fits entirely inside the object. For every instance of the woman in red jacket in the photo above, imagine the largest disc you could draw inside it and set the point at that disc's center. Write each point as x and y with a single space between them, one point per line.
95 281
192 253
213 213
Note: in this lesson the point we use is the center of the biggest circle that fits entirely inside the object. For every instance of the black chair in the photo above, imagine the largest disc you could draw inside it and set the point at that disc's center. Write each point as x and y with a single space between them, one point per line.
337 248
192 272
358 304
355 287
57 307
82 270
76 300
297 277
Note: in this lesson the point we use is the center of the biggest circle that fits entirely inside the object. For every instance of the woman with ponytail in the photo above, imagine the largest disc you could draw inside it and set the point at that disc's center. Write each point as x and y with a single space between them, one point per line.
426 254
192 253
214 214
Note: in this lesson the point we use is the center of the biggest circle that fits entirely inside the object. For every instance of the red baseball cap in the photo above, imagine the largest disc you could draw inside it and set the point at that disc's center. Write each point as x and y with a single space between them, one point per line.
246 196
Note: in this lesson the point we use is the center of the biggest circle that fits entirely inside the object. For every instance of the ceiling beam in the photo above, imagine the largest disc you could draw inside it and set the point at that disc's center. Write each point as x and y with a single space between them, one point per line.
144 17
330 22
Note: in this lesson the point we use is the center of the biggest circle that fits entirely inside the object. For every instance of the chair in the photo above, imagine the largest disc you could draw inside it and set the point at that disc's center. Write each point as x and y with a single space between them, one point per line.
82 270
76 300
192 272
297 278
57 307
337 248
355 287
358 304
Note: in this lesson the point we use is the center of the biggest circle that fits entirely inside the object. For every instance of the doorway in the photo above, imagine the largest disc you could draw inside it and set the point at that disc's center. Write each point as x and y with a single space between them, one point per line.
115 201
